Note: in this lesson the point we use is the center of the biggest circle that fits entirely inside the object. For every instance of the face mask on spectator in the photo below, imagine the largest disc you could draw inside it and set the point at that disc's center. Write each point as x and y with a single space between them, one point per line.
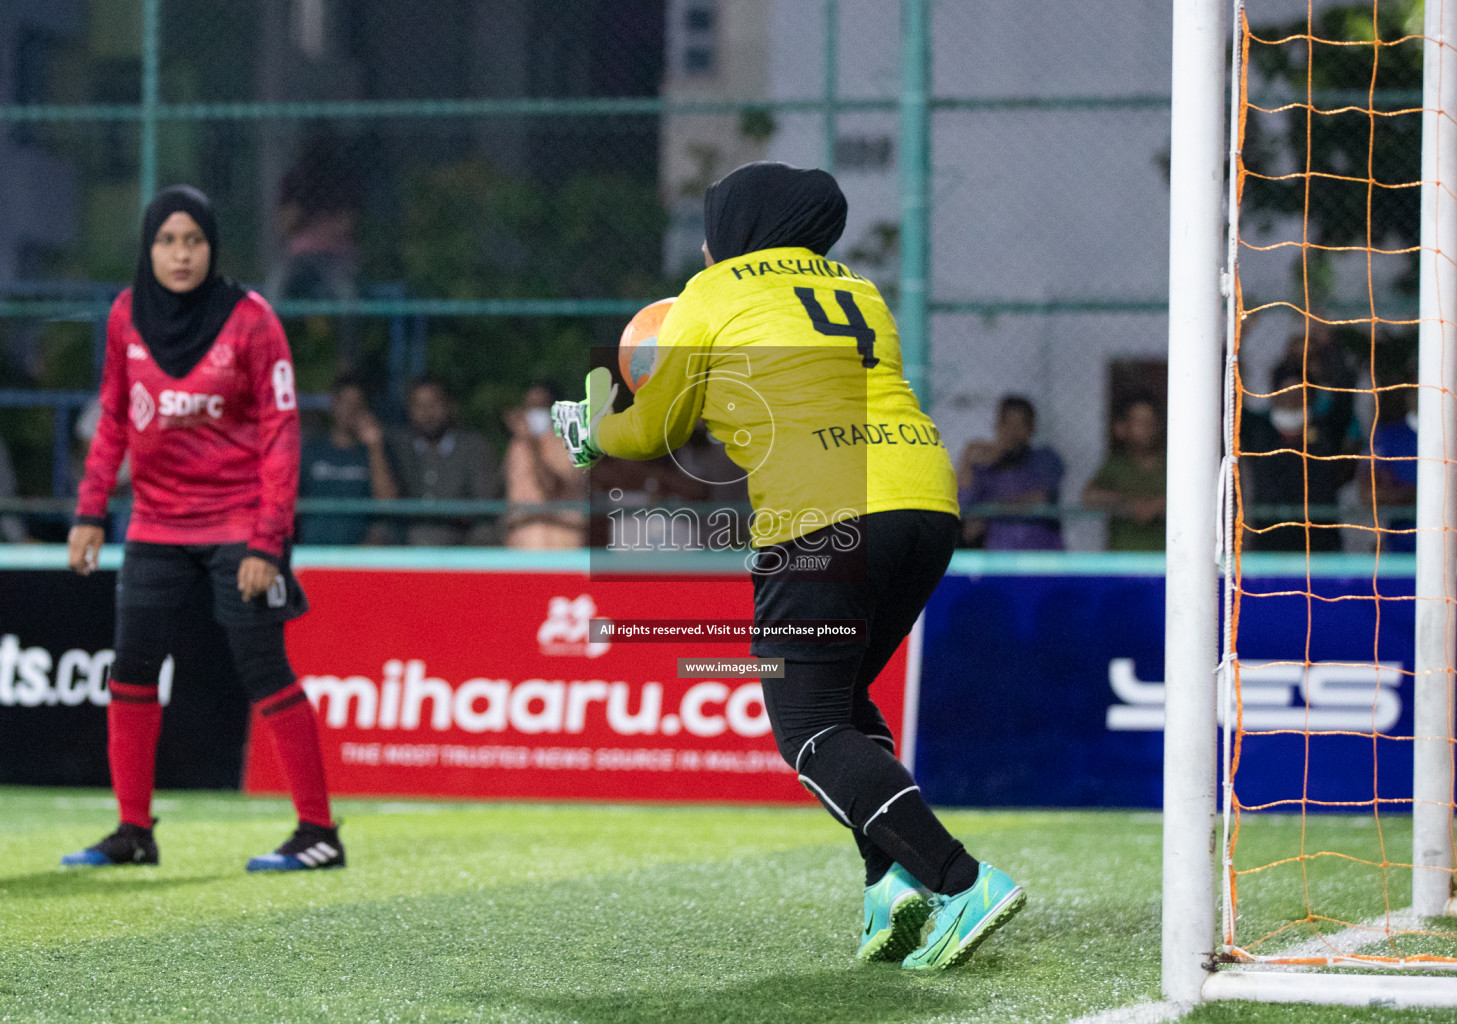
1287 421
538 421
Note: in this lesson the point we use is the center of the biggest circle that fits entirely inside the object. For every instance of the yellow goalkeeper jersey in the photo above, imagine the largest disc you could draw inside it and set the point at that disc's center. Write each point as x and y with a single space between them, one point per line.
794 363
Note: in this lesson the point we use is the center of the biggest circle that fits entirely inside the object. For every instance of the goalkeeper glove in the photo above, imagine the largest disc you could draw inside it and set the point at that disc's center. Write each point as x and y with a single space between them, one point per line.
576 422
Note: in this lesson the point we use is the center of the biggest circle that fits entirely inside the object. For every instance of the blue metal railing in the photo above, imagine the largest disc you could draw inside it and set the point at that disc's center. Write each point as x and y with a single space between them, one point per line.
90 302
64 406
466 508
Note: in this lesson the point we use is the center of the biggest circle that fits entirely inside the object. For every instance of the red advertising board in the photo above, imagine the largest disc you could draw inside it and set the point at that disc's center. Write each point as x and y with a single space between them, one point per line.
486 684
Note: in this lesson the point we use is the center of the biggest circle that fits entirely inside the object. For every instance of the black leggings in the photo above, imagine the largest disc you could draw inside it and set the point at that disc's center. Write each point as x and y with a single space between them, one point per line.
825 724
144 639
157 581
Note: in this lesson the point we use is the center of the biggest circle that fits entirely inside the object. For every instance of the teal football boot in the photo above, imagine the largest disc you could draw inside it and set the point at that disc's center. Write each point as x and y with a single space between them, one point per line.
961 923
895 910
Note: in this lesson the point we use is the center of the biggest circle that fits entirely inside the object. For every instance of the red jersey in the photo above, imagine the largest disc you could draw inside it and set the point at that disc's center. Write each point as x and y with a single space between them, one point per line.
215 454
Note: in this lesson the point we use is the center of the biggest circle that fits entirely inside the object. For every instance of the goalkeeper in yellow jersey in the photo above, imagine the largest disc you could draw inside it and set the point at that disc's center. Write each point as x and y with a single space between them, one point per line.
793 362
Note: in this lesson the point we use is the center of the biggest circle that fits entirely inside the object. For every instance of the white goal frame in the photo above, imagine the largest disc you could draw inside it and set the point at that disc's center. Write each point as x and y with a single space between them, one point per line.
1200 358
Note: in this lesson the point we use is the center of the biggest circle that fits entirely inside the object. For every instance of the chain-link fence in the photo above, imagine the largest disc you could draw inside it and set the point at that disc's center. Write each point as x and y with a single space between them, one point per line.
482 191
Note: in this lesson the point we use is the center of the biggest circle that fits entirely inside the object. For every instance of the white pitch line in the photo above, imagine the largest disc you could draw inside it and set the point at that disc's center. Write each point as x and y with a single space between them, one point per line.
1138 1013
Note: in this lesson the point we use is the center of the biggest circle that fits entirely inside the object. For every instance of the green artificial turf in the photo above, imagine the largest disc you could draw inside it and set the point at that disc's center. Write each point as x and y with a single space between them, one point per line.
594 914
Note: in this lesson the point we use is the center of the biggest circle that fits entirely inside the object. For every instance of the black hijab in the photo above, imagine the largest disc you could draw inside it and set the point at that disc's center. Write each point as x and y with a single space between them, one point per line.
179 329
766 205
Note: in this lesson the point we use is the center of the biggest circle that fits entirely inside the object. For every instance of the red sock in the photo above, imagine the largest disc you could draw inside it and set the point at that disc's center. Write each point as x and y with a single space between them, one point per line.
133 722
290 718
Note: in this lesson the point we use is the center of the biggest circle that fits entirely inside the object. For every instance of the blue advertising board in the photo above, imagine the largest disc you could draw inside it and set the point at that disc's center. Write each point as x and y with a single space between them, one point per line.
1041 683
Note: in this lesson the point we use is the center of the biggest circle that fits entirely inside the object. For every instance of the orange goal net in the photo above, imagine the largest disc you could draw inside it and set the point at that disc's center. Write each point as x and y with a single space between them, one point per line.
1331 374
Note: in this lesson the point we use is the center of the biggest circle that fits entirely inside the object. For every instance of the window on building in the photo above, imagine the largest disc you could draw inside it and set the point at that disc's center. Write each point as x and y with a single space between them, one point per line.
699 38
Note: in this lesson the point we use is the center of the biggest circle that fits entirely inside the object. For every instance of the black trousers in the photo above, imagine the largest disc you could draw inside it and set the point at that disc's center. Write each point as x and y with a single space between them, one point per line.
158 579
825 723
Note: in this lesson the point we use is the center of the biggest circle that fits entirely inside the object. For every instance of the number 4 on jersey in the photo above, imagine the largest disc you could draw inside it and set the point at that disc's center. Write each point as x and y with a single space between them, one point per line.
854 327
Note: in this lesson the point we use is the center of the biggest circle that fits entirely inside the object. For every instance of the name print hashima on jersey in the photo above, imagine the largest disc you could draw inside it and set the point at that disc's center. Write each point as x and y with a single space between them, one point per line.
816 267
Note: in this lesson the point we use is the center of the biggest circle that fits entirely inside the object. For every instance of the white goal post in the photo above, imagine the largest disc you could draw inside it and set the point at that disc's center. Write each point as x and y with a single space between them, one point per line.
1191 609
1436 436
1202 262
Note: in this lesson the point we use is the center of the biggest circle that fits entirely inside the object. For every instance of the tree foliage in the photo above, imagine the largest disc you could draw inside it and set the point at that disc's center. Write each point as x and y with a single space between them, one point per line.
471 231
1364 158
1351 146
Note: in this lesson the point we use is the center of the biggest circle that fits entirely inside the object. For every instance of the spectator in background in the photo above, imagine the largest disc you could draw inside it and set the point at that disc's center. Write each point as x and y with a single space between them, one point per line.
319 199
1129 485
346 462
1394 475
12 527
1009 471
1299 480
626 485
539 470
1332 370
435 459
318 209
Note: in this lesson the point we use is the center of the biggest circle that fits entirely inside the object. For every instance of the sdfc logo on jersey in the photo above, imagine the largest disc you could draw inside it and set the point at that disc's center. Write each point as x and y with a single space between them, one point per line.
565 631
142 406
186 403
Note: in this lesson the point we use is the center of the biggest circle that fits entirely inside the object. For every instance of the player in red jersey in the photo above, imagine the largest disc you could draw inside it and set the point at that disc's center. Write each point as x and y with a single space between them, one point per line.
198 387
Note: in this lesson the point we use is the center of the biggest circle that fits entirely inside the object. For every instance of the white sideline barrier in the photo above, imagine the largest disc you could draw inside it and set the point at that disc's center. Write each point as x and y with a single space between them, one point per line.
1397 992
